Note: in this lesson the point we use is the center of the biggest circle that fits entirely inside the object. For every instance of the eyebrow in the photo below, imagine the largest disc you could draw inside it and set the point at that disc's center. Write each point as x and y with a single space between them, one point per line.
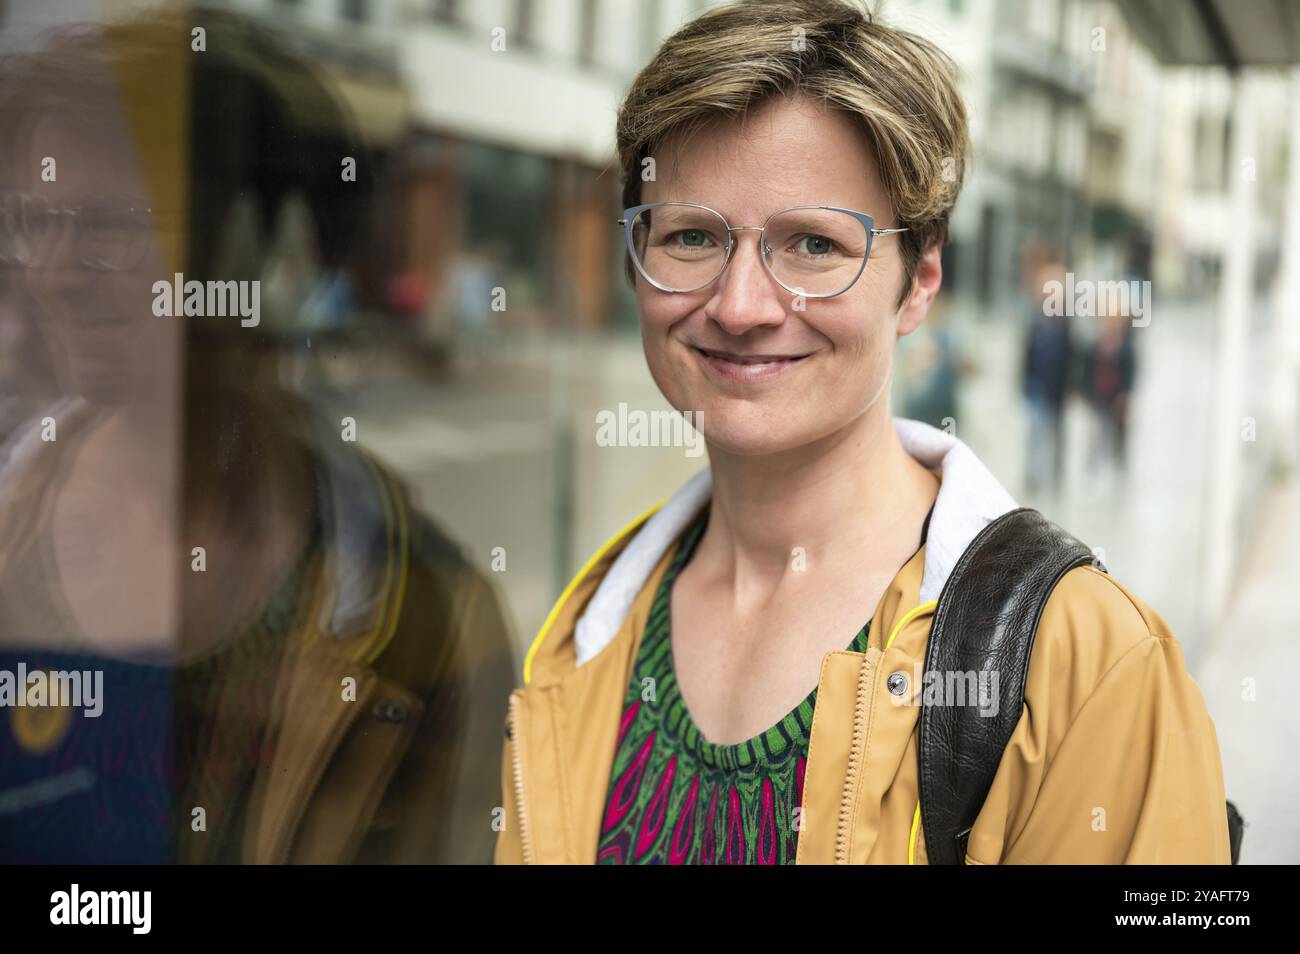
775 209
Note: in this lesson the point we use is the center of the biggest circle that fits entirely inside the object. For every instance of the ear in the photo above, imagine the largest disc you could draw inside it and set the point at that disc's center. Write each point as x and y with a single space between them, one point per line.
925 285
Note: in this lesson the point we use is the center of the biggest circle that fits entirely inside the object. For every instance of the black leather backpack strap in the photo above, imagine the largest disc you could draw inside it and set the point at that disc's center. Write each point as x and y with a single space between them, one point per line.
985 622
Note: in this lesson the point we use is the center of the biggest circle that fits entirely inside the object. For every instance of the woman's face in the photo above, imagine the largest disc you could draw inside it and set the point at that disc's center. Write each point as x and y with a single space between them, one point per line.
837 352
98 325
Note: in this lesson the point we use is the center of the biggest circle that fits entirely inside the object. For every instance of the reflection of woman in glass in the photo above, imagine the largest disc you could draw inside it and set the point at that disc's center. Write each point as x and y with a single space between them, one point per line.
297 666
718 685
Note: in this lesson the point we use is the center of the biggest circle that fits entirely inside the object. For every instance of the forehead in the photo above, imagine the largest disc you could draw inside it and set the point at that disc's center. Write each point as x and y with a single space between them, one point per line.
784 152
93 152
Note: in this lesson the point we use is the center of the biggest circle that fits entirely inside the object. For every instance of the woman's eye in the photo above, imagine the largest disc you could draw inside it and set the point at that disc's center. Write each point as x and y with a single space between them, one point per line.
692 238
816 245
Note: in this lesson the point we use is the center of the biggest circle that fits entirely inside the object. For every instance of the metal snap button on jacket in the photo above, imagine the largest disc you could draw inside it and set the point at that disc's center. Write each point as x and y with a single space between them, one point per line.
897 683
392 711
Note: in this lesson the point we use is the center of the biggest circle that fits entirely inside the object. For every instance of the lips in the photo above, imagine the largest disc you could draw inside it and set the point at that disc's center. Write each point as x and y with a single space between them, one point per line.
750 358
747 367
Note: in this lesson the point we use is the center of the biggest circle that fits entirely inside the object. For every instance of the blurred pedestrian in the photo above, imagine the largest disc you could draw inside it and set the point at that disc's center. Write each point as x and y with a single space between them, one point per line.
478 274
933 368
1044 378
1110 369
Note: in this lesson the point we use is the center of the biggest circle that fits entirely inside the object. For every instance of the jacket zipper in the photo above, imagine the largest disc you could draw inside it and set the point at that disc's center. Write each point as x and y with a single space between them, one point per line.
516 762
861 714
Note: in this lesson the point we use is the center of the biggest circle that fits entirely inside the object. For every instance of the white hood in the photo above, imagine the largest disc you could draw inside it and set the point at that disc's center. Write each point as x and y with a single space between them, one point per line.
970 497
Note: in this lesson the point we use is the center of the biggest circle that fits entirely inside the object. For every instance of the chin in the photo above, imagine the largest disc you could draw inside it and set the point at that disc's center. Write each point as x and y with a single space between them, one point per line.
750 431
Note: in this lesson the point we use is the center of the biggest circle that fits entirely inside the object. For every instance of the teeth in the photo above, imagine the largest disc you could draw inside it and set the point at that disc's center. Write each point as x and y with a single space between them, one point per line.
732 360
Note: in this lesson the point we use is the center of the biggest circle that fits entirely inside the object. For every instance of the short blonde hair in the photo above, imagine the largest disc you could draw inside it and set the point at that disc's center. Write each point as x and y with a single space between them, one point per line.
901 89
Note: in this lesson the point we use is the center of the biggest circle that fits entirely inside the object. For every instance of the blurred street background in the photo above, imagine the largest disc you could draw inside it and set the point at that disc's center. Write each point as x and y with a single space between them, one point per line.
484 319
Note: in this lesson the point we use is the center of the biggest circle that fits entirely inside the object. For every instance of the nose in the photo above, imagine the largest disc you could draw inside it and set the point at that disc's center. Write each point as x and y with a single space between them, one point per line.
745 296
54 272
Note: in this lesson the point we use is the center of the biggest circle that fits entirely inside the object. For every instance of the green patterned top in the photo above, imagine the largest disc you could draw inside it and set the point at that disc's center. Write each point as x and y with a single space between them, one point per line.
676 798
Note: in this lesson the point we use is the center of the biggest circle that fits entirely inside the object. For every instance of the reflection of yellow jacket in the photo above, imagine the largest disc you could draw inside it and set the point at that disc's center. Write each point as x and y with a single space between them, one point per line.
387 774
387 680
1114 760
342 723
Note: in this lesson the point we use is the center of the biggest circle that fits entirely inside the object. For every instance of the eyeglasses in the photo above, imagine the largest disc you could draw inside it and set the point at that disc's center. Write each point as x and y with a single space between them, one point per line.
815 251
112 234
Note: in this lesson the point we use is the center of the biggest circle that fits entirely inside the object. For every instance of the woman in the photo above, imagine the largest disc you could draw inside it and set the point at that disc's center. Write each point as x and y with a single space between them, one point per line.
718 684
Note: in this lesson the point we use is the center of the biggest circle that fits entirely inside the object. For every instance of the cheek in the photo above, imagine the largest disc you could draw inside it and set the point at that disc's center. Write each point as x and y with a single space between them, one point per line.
656 321
863 340
655 318
856 328
654 325
659 314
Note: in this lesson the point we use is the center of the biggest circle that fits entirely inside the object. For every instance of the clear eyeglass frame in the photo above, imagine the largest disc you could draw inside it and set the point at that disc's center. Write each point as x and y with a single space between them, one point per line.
868 224
134 224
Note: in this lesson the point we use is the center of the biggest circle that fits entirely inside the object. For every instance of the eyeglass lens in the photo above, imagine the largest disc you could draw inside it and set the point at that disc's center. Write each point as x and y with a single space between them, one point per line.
809 251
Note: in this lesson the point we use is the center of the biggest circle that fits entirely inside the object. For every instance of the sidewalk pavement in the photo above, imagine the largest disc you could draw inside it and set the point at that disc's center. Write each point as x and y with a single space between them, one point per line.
1245 677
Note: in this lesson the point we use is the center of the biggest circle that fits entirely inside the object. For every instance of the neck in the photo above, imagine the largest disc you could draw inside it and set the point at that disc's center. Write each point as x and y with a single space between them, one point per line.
849 494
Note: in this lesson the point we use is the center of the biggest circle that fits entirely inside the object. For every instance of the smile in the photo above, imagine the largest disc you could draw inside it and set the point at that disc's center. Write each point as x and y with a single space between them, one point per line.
747 368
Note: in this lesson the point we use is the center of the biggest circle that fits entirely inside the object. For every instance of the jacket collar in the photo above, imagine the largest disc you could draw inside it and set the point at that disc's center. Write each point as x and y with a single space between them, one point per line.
969 498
